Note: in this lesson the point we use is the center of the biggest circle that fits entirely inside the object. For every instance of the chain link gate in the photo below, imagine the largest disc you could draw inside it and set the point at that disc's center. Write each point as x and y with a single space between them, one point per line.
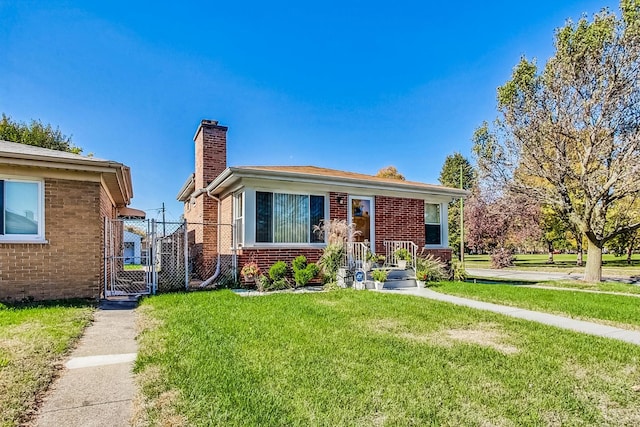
146 256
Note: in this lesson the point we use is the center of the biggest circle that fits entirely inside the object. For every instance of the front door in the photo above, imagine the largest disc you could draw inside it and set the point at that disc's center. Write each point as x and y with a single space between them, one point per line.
362 217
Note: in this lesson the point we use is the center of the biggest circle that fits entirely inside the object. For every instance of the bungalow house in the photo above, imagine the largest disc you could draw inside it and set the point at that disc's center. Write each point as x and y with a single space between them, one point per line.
274 208
53 206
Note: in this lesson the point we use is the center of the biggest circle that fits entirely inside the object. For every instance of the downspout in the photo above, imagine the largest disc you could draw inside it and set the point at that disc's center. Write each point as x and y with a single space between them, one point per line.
212 279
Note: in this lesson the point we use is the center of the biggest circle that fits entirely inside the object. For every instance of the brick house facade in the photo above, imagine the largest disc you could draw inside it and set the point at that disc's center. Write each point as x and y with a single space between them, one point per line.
62 255
269 205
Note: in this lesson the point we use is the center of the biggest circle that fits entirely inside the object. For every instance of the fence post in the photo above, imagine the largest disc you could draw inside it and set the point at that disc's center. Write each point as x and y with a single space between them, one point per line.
186 255
152 266
104 261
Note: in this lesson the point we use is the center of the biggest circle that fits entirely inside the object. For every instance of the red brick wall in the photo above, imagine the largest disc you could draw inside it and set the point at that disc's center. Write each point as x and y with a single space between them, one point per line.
265 258
399 219
337 210
70 264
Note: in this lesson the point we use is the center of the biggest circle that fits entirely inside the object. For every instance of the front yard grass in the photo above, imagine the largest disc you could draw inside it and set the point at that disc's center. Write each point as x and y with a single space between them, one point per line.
602 286
365 358
618 310
611 265
33 338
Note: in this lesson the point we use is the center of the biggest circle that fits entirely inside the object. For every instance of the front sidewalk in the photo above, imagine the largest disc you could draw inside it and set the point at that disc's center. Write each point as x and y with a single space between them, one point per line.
97 387
590 328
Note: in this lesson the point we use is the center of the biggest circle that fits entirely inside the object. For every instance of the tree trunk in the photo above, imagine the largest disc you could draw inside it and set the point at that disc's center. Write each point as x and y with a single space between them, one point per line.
630 252
580 256
593 270
550 248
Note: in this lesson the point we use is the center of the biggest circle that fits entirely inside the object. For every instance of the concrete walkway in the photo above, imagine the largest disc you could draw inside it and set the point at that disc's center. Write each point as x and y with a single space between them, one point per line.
97 388
590 328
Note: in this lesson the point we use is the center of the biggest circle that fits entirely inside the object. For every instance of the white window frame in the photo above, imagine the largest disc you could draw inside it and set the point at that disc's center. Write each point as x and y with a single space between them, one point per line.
238 218
372 216
25 238
443 214
254 223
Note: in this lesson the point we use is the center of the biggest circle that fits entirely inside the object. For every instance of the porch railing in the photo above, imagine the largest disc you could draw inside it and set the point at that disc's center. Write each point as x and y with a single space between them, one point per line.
391 246
355 255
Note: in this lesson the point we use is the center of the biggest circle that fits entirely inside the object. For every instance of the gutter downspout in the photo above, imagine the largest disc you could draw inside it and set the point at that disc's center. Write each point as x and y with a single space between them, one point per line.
211 279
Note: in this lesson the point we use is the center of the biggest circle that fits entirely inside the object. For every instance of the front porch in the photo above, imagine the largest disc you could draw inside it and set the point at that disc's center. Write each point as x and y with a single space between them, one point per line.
398 260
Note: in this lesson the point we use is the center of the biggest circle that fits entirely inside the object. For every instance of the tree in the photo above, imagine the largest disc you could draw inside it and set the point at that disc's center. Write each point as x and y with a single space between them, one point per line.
390 172
568 134
36 133
450 176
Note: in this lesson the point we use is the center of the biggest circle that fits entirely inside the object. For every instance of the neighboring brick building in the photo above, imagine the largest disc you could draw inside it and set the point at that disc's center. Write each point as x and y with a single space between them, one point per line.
274 208
52 210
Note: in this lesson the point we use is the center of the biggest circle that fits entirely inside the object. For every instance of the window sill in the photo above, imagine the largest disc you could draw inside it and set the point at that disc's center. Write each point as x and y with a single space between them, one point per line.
284 246
24 242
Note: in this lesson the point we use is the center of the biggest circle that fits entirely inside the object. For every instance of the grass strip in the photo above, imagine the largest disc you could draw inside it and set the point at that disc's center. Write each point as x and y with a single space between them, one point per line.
617 309
365 358
33 338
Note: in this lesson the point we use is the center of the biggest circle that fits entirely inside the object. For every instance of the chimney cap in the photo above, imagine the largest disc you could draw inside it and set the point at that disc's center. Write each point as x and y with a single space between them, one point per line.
209 122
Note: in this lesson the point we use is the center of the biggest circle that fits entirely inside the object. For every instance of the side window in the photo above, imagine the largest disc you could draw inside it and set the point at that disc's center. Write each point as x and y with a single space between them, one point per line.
432 224
22 213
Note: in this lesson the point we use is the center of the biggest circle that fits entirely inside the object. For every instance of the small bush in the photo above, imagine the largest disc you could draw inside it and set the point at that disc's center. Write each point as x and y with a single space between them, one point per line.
501 258
278 271
263 283
302 277
299 263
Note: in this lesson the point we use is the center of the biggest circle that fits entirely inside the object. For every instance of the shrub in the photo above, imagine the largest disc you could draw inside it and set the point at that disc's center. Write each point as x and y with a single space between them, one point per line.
263 283
379 275
303 273
501 258
299 263
430 269
278 270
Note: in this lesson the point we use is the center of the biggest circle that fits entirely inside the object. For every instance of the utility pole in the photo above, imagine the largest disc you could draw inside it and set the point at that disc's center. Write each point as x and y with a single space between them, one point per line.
461 221
164 224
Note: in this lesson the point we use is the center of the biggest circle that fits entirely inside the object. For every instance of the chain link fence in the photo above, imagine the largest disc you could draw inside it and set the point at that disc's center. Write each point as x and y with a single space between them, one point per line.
146 256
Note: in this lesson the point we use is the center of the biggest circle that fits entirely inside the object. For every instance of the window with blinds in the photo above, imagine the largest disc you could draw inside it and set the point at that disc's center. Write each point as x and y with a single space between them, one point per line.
288 218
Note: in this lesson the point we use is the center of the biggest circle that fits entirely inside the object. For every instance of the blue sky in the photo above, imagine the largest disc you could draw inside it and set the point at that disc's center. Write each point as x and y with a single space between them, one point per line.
350 85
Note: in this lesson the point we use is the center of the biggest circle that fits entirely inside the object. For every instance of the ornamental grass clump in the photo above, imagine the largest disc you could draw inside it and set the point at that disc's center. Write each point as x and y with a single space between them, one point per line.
430 269
336 233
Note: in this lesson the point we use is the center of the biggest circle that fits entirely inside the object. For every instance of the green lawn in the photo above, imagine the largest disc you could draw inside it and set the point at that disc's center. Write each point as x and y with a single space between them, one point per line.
611 265
33 339
620 310
602 286
365 358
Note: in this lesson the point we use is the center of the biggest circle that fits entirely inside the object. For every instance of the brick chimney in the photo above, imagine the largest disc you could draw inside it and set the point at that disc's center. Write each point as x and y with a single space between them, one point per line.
211 160
211 152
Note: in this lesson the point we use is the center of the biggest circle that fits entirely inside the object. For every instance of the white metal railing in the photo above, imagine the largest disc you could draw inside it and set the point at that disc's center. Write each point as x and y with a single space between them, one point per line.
355 255
391 246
